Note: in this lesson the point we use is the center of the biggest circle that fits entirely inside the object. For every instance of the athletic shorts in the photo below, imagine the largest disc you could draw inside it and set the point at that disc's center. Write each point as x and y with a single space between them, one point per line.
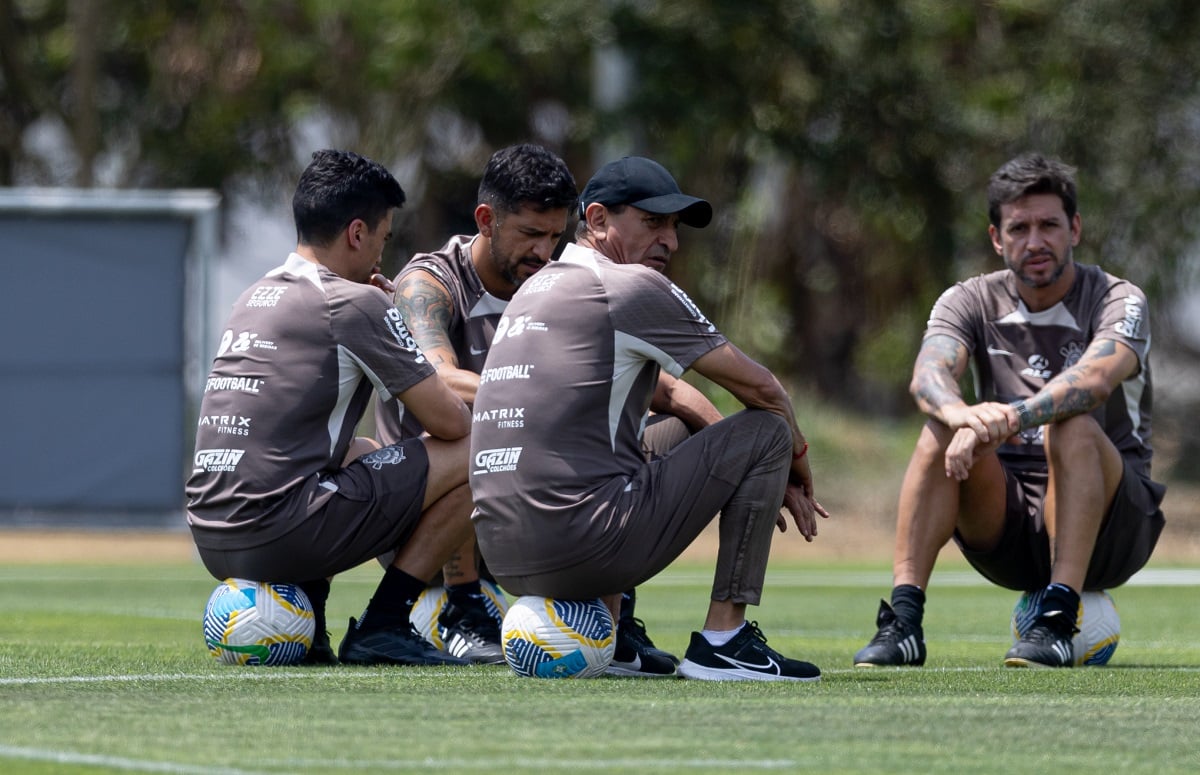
1021 560
369 507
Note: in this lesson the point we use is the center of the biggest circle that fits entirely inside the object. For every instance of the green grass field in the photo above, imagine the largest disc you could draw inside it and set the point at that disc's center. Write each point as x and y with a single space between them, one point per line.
103 669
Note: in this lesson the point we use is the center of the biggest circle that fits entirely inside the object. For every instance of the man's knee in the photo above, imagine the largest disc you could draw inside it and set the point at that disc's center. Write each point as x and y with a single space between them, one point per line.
1062 439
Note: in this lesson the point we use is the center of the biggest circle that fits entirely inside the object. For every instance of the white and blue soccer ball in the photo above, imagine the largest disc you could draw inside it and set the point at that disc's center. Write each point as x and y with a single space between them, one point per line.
548 638
429 605
258 623
1098 623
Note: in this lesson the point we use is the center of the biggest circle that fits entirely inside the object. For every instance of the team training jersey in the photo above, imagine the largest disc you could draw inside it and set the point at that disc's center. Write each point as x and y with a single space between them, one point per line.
472 322
563 399
1016 352
292 377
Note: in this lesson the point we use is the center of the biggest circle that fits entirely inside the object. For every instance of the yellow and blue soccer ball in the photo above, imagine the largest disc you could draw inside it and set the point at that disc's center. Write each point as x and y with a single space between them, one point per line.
1098 623
258 623
548 638
429 605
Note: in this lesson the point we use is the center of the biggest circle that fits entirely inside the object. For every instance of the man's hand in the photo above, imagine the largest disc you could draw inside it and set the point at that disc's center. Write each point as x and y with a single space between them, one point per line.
383 283
804 510
990 421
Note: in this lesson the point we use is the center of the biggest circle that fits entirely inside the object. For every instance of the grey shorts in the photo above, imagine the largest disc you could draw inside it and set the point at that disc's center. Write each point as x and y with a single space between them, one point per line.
1021 560
737 467
367 508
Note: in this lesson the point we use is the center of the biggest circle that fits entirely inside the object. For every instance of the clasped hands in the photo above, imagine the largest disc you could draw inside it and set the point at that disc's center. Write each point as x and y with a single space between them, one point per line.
979 430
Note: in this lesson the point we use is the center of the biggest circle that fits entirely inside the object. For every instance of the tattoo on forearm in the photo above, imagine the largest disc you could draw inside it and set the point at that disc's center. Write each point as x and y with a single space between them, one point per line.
939 363
1067 395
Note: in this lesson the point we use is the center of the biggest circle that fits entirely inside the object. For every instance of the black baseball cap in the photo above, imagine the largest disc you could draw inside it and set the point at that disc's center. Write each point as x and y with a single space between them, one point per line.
646 185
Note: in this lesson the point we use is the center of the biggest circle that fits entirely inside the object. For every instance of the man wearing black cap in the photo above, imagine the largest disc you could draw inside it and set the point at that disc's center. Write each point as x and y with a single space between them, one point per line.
582 514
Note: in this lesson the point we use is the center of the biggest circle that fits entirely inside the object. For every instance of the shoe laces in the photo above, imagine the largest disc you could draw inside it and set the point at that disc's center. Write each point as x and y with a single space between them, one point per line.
476 623
890 628
633 630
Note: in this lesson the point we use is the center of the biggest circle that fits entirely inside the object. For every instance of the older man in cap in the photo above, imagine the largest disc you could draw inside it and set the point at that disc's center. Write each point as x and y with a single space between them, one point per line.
567 504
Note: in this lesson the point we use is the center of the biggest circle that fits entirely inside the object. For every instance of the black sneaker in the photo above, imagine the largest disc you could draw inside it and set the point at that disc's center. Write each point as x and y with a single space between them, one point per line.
320 652
636 655
471 633
400 645
745 658
1047 643
895 643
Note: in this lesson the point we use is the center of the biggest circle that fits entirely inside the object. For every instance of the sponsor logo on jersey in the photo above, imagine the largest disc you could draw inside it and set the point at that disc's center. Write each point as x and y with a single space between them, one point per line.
504 373
540 282
1039 367
240 384
516 326
228 424
243 342
266 295
492 461
691 307
1071 353
217 460
513 417
395 323
385 456
1135 316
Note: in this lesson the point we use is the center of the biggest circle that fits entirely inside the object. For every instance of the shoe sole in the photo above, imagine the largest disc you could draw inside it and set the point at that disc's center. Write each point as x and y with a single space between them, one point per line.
1022 662
696 672
878 664
624 672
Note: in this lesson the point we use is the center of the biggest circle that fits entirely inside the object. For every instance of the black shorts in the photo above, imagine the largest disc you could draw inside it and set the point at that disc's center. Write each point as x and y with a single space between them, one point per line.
1021 560
367 508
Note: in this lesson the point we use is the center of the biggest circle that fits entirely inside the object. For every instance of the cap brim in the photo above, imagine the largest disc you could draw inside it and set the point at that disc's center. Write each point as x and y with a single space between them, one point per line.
693 212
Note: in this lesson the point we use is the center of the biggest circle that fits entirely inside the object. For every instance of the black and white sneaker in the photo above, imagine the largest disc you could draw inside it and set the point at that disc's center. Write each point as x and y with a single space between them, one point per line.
399 645
1047 643
470 632
895 643
636 656
746 657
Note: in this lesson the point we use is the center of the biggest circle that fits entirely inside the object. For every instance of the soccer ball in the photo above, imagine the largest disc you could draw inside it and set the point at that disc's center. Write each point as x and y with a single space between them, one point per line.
1099 625
424 614
547 638
258 623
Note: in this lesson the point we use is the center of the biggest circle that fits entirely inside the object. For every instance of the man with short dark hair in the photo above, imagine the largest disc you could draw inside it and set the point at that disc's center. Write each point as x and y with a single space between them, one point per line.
281 489
451 299
567 506
1045 482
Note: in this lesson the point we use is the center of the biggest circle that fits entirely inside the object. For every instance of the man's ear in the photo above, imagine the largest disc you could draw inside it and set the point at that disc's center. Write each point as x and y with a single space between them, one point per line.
356 232
596 216
485 219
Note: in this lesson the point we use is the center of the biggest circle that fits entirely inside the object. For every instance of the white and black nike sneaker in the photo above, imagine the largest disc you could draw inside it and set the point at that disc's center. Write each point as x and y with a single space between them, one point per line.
746 657
896 642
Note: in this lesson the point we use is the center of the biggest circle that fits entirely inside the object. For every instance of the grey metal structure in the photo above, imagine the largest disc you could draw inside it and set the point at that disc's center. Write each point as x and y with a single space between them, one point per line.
104 323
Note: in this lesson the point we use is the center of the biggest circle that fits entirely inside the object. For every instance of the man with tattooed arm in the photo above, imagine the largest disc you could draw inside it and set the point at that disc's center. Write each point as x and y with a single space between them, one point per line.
1044 484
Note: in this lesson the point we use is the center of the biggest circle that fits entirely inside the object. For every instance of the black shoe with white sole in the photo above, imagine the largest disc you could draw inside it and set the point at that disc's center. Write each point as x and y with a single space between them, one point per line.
896 642
746 657
1047 643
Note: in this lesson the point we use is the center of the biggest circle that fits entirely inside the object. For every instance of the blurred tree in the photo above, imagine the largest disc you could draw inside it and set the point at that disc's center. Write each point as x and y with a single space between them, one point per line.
845 145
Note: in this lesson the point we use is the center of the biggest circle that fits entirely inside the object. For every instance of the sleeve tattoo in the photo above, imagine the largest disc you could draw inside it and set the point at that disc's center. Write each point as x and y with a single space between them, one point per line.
427 311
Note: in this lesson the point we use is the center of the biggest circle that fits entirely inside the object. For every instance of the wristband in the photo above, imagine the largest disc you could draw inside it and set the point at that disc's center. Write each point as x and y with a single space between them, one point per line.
1024 418
803 451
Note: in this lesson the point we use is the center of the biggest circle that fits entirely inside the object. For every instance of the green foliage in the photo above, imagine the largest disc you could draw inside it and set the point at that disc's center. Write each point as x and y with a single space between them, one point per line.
845 145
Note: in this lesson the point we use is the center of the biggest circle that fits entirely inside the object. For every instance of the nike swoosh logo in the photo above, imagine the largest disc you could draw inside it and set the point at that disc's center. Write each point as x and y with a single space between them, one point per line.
477 351
770 666
997 351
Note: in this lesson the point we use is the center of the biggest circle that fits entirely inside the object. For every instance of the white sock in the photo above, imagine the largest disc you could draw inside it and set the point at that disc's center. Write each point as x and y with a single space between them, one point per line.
719 638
